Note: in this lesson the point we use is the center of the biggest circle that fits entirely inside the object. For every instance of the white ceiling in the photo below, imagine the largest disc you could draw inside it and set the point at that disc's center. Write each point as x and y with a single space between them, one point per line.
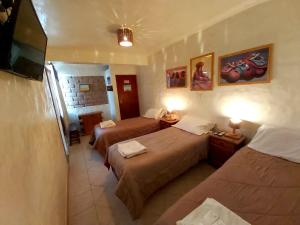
91 24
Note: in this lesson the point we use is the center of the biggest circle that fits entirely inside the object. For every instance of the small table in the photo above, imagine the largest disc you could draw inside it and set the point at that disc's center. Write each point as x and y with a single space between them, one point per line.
166 123
221 148
88 122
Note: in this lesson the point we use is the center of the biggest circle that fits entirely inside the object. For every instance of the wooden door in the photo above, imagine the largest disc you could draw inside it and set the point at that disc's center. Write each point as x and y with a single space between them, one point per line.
128 96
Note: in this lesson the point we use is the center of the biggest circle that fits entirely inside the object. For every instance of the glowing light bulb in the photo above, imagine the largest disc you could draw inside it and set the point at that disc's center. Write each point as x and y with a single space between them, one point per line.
235 120
174 103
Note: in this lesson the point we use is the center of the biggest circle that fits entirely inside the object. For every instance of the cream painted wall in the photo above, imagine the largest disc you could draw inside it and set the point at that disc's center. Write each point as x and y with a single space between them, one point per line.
82 55
277 103
120 70
33 167
110 94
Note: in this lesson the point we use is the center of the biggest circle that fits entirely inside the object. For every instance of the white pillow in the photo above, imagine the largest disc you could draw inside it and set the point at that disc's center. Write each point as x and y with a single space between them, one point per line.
194 125
154 113
280 142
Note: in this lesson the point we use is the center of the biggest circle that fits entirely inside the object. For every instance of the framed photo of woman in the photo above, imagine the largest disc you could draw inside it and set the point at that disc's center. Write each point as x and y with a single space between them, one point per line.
176 77
202 72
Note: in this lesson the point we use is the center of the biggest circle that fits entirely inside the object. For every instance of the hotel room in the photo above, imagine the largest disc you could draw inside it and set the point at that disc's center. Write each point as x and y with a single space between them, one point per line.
150 112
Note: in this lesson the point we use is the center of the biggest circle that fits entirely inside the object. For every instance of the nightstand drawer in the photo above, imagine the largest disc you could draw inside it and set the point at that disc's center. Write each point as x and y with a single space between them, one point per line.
222 148
218 156
218 152
222 144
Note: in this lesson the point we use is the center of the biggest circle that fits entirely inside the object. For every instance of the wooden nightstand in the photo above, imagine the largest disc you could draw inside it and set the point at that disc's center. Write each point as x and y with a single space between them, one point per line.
221 148
166 123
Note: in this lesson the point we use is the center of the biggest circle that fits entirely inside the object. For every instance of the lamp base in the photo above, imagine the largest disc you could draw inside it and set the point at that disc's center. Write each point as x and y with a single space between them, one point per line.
170 116
233 136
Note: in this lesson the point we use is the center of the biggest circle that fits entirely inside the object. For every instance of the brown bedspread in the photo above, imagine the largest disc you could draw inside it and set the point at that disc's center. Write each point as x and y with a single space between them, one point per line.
262 189
125 129
170 152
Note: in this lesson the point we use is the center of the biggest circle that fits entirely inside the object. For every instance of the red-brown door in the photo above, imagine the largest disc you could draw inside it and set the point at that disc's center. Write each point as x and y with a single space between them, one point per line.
128 96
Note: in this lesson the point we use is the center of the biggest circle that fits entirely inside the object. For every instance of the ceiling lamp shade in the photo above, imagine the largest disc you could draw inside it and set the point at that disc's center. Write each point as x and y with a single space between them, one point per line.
125 37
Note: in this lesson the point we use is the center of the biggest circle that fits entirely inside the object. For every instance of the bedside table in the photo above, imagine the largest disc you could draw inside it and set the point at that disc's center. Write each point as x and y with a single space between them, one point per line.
163 123
221 148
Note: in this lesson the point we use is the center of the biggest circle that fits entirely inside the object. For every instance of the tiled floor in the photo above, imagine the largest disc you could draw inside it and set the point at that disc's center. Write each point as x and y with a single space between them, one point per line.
92 200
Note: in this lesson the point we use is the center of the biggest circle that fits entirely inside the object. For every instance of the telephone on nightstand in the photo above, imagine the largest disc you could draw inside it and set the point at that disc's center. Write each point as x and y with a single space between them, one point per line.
217 131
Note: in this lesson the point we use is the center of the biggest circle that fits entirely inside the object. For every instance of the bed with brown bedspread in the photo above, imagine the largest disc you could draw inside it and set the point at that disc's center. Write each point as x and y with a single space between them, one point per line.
262 189
125 129
170 152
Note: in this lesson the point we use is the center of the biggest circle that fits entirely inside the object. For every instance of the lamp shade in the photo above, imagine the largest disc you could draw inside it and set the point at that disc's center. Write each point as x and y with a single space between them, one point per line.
235 123
125 37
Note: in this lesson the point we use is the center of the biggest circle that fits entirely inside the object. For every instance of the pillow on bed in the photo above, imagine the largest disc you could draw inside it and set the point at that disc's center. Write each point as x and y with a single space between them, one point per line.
280 142
194 125
154 113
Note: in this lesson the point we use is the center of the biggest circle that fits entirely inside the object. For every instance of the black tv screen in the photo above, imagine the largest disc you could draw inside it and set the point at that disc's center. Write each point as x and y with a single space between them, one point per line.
23 41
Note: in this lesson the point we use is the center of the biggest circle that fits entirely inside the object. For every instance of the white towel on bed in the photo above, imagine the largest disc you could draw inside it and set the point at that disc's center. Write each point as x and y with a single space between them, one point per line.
211 212
131 148
107 124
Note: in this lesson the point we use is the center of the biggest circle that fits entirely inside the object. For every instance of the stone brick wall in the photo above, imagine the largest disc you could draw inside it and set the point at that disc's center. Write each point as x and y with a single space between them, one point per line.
76 99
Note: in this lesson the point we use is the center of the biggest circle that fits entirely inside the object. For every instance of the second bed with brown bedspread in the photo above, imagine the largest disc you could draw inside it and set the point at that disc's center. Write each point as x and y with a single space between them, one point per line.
170 152
102 138
262 189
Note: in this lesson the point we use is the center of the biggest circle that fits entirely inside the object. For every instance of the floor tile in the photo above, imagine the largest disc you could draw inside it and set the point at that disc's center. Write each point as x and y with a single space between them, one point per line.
79 188
98 178
88 217
80 203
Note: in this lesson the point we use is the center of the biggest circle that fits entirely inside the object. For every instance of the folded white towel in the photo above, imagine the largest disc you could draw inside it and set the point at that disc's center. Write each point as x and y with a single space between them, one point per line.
131 148
211 212
107 124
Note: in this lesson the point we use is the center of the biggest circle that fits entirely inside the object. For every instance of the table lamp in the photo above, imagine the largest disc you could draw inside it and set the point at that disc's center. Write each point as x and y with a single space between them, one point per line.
171 114
234 123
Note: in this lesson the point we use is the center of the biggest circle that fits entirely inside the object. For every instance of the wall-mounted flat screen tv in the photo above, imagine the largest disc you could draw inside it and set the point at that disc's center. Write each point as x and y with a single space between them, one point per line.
23 41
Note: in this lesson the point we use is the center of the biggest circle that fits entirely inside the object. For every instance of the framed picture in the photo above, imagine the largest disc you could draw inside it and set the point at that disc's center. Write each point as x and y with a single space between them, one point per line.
202 72
109 88
176 77
84 87
249 66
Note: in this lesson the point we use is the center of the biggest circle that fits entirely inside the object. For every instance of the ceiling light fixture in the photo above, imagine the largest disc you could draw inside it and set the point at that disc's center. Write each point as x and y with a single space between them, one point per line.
125 37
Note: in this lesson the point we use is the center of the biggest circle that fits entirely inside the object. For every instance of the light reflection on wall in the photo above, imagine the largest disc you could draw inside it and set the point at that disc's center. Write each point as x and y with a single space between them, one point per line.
237 107
174 103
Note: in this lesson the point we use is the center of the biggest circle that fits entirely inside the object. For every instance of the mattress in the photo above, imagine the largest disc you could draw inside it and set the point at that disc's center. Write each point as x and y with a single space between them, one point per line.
170 152
262 189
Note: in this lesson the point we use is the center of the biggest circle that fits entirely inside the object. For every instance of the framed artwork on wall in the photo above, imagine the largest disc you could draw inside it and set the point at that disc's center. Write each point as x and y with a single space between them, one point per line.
109 88
202 72
249 66
84 87
176 77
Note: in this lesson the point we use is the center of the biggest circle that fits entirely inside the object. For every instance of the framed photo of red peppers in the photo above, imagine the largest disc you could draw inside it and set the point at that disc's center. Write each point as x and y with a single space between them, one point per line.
249 66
